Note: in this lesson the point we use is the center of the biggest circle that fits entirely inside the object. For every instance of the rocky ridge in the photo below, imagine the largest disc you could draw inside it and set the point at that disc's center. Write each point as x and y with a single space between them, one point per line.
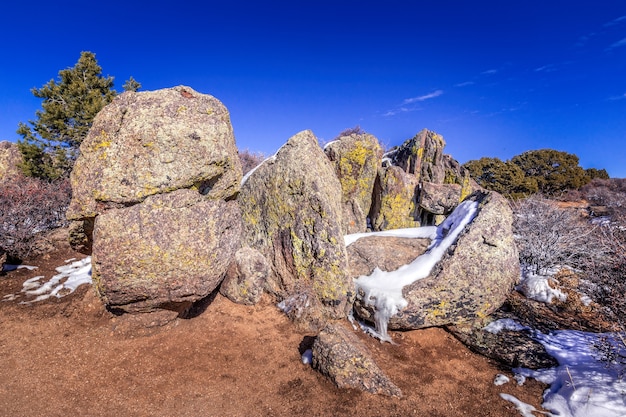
160 202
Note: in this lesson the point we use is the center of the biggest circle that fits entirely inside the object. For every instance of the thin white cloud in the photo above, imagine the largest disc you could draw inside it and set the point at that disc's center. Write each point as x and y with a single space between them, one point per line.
423 98
465 84
622 97
615 21
617 44
490 72
398 111
546 68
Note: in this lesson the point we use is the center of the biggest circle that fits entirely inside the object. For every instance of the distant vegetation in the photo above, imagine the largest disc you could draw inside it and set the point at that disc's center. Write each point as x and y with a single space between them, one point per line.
49 146
546 171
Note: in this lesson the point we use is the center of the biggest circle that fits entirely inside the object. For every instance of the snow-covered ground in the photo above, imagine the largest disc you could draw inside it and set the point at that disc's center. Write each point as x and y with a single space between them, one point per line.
69 278
587 383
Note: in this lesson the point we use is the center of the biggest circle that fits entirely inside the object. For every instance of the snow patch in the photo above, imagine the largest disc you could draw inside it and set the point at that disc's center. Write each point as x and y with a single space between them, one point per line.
497 326
69 278
383 290
501 380
8 267
307 357
426 232
581 385
537 287
526 410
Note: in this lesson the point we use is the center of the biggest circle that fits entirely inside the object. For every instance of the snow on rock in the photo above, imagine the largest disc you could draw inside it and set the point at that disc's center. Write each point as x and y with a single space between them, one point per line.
426 232
497 326
383 290
69 278
582 385
537 287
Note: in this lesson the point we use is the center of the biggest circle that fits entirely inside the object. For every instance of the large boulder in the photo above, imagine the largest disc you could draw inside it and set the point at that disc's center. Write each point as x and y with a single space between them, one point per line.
386 253
292 211
167 252
153 199
356 158
341 356
395 200
10 157
153 142
472 279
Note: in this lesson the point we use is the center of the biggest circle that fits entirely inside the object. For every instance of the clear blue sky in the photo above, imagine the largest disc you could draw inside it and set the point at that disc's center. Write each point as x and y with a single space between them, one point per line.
495 78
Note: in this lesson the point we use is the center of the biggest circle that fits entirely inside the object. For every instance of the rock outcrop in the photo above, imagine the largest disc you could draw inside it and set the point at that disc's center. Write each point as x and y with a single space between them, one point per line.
292 211
471 280
418 184
10 157
356 158
395 203
155 183
342 357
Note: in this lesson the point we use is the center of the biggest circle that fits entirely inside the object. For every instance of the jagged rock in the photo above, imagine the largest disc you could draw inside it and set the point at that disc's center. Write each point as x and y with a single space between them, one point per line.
245 277
356 159
10 157
167 252
473 278
153 142
512 348
291 207
421 156
386 253
394 203
439 198
342 357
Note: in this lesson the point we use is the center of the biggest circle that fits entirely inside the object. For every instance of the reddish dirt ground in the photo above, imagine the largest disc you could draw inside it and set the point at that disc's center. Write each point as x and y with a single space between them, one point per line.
69 356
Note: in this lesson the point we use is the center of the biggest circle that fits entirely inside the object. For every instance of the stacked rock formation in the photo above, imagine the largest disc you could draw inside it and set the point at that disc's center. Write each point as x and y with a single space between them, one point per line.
153 195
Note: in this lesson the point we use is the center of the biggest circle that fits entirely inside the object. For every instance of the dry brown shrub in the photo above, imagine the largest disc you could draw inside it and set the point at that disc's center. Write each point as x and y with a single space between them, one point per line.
250 160
29 206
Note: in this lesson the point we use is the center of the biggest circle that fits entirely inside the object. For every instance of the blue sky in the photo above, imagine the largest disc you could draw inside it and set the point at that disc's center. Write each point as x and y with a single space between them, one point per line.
495 78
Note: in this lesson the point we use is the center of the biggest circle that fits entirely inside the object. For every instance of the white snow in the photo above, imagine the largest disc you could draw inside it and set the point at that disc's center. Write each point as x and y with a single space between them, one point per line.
8 267
526 410
307 357
582 385
537 287
69 278
249 173
426 232
383 290
497 326
501 380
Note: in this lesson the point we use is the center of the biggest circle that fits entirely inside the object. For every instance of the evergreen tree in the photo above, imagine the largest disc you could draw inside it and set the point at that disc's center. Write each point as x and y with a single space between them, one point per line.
555 171
49 146
131 85
503 177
